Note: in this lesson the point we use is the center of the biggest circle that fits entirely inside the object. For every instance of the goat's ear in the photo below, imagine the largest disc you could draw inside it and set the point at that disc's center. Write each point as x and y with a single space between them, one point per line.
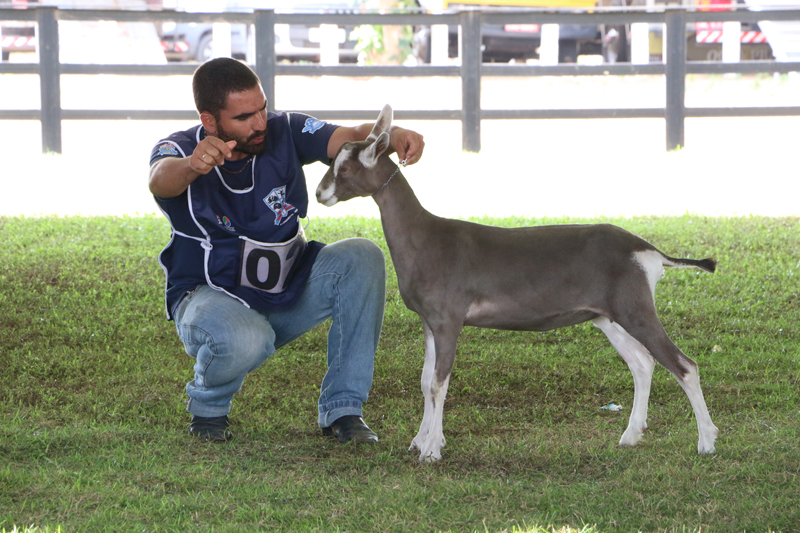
369 156
383 123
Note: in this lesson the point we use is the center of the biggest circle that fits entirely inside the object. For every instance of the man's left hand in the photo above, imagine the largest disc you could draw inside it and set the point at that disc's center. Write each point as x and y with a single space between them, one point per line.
407 144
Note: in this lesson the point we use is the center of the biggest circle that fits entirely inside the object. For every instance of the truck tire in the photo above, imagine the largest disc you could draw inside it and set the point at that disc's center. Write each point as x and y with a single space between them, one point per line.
205 49
421 45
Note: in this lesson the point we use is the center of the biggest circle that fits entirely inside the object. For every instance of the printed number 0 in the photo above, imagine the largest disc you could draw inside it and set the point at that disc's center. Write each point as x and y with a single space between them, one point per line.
273 272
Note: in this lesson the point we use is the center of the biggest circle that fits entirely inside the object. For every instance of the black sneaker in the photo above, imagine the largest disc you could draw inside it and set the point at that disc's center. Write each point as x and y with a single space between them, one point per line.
213 429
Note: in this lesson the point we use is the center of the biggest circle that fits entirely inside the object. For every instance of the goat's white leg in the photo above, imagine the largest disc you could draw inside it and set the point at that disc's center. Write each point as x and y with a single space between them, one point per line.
641 365
431 449
649 331
445 336
705 427
426 383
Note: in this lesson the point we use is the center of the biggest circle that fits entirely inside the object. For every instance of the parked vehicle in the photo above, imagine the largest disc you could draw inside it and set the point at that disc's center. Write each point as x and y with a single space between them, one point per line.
194 41
518 41
522 41
704 39
17 36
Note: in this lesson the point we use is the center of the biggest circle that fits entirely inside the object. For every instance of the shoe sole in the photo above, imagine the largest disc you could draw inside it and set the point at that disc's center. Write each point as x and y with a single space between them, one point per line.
212 438
328 432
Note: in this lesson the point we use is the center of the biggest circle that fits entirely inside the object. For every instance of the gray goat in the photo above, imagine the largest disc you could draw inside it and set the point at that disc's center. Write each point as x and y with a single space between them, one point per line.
454 273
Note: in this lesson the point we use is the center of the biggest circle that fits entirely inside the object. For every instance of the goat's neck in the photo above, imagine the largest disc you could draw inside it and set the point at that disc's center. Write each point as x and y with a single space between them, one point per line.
397 201
401 213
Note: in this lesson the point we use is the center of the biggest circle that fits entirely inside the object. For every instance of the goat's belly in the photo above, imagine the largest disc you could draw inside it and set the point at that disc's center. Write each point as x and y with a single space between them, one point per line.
488 316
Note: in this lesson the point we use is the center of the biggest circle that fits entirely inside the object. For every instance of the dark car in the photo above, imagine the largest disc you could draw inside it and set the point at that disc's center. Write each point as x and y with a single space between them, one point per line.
502 43
516 41
194 41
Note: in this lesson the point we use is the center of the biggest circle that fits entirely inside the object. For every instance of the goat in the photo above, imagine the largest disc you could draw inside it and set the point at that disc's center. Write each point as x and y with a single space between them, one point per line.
454 273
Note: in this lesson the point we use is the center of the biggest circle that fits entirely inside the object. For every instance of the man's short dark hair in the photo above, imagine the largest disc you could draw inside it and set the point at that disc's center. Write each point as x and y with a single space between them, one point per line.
214 80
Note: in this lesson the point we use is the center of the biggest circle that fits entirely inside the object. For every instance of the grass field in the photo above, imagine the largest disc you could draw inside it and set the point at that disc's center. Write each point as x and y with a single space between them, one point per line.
93 434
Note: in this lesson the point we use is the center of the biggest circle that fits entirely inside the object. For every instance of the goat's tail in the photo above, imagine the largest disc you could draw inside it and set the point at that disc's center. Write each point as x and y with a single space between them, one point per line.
708 264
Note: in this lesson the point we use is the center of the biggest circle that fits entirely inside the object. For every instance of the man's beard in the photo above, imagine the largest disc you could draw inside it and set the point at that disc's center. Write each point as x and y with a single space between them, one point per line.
245 146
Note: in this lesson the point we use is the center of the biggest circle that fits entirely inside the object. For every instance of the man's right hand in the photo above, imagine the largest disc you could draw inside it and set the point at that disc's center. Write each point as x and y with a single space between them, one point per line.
171 176
209 153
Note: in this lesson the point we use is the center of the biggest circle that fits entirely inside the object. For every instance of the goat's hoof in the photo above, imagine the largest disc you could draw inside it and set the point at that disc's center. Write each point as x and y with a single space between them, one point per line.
706 448
630 443
416 443
706 443
431 452
630 440
430 457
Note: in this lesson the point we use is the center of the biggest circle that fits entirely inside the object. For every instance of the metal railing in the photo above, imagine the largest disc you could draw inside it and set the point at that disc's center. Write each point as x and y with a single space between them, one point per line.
470 71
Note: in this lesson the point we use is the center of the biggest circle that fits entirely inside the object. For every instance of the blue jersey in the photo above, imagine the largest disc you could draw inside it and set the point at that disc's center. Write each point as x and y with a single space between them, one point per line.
237 228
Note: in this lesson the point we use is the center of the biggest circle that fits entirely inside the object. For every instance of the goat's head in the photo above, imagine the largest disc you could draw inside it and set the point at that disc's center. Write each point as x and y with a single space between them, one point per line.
355 170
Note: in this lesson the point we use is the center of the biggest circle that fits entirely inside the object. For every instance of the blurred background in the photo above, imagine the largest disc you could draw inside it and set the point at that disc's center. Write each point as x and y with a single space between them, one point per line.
544 167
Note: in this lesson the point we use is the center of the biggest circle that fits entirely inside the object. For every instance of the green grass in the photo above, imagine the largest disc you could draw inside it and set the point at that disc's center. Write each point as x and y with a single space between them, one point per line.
93 430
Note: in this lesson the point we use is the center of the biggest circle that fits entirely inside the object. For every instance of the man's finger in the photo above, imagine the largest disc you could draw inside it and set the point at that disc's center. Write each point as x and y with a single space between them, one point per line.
413 155
201 162
227 149
217 144
208 159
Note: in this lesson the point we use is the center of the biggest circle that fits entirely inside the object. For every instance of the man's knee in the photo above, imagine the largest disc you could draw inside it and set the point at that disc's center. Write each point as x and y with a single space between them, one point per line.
365 257
250 346
224 333
227 356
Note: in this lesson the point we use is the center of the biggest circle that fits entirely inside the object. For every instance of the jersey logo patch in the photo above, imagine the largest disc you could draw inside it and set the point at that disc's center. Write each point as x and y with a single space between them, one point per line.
225 222
312 125
167 149
276 201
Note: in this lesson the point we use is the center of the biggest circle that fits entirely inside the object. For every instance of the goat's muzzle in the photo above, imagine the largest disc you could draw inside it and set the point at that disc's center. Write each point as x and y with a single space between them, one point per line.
325 195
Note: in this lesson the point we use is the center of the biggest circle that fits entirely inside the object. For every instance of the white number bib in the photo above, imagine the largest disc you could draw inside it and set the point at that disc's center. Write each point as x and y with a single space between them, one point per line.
265 266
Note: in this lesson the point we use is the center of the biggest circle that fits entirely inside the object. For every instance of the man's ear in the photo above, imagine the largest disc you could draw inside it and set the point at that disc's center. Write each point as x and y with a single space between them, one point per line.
209 122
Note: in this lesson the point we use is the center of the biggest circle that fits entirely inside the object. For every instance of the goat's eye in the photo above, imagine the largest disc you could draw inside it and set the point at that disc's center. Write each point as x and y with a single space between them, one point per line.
342 171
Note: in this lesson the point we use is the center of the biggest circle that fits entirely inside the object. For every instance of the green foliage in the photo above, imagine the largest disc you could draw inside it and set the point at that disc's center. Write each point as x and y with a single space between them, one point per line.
93 428
371 40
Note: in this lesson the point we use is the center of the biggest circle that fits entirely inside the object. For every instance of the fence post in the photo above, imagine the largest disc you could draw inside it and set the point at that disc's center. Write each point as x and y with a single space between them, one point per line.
471 59
675 111
265 53
49 79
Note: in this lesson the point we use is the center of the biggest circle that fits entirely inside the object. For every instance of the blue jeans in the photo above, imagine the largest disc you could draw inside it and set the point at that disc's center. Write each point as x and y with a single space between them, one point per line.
229 340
